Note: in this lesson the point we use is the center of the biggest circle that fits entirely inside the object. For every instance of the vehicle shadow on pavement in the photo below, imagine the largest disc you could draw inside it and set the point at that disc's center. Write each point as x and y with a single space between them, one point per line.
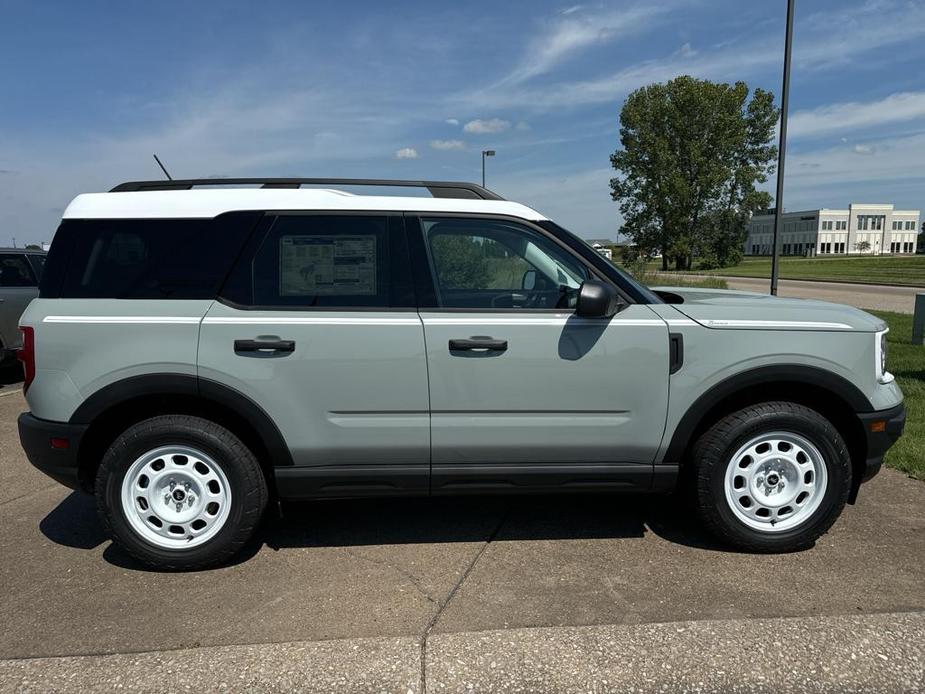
10 375
353 523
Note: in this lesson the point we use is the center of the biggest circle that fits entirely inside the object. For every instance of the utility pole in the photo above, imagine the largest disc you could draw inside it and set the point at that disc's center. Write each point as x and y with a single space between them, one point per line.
782 147
486 153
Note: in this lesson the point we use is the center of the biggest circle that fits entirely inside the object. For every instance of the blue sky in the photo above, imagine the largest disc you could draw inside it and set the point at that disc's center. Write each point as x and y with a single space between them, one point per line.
416 90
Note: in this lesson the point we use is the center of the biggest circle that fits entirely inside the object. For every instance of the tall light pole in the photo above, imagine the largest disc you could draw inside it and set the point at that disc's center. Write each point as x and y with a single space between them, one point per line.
782 147
486 153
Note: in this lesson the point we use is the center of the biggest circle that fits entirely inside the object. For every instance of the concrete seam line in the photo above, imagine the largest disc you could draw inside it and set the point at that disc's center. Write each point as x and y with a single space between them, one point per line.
32 493
432 623
10 392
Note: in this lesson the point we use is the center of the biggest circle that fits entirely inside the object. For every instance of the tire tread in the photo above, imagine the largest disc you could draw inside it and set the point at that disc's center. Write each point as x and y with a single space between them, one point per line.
254 501
709 456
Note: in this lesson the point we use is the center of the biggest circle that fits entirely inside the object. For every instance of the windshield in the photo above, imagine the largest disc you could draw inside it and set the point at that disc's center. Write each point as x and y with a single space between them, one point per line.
623 279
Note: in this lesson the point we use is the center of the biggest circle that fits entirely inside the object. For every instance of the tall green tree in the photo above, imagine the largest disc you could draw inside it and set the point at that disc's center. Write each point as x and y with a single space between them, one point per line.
692 153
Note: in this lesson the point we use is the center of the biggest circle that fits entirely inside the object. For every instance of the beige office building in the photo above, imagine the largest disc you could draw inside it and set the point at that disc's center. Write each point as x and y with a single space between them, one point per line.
861 229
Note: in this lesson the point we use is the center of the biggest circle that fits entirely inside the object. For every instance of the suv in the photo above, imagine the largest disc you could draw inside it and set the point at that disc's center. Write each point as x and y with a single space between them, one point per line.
20 272
200 347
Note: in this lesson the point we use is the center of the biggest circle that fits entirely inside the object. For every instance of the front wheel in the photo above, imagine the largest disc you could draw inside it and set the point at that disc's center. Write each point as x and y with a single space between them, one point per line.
771 477
180 492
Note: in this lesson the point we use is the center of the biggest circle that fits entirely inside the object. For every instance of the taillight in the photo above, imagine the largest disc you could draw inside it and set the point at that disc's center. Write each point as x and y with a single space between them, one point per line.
26 354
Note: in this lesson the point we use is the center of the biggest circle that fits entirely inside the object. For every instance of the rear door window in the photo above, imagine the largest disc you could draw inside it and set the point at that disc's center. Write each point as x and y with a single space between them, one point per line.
324 261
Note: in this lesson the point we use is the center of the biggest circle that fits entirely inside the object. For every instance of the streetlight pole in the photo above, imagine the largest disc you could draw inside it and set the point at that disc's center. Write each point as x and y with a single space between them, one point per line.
486 153
782 147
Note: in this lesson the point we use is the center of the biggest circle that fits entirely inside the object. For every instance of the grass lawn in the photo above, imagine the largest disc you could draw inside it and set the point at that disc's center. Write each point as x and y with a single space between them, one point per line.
907 362
904 270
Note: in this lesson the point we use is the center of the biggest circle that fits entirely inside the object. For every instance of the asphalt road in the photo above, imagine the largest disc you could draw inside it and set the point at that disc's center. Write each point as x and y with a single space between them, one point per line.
385 595
870 296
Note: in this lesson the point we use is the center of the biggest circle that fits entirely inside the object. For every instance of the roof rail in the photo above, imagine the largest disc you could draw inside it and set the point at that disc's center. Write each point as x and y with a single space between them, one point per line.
438 189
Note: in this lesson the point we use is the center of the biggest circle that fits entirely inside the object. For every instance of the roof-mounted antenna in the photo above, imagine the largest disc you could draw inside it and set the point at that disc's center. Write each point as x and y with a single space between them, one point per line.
163 168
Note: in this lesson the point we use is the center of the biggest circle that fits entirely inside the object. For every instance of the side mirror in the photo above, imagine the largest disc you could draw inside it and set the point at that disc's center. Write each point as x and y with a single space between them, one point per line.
528 281
597 300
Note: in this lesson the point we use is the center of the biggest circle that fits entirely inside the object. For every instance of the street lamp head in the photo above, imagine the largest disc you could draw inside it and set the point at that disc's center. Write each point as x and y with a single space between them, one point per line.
488 152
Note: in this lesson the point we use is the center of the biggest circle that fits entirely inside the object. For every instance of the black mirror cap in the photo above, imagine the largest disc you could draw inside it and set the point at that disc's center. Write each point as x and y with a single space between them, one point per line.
597 299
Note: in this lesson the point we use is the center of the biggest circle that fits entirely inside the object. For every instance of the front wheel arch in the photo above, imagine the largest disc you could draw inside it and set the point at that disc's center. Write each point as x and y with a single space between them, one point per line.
827 393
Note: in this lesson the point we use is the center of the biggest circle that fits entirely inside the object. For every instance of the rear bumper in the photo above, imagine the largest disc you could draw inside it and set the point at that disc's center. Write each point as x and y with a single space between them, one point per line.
882 428
60 464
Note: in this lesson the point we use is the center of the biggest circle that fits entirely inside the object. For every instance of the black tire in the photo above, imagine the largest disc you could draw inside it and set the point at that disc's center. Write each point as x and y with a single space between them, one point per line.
245 478
713 452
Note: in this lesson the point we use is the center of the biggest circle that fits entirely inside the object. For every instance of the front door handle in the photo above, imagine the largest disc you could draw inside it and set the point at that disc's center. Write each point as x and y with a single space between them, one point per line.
260 345
478 344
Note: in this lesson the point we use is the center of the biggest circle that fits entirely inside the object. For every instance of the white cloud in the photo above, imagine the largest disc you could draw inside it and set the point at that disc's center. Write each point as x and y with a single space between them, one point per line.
886 161
820 45
896 108
406 153
447 144
572 32
486 127
452 121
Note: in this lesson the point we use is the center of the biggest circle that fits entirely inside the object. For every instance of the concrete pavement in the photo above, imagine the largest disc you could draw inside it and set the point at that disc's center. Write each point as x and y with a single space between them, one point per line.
436 576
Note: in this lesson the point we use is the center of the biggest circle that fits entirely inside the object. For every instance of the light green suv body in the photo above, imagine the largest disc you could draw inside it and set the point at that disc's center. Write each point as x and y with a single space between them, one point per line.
356 345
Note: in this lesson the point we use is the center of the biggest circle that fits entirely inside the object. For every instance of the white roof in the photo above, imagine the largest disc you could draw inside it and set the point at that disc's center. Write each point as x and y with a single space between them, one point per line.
210 202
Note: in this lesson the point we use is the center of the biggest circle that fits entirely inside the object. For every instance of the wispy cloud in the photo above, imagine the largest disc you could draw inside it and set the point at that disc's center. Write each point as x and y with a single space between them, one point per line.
573 31
885 160
853 115
452 121
406 153
486 127
848 36
446 145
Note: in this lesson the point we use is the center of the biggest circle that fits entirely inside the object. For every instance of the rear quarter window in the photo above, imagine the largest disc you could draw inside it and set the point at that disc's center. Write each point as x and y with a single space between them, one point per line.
15 271
144 258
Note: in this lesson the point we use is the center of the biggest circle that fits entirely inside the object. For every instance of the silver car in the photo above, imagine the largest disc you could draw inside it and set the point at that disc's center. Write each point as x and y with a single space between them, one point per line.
20 272
198 349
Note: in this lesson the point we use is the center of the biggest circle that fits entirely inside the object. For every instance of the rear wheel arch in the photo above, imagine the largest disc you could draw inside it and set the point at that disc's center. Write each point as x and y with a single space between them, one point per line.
114 408
829 394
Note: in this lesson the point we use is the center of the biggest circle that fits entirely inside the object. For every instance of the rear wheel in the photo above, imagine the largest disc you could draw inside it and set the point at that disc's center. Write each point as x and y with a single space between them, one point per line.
180 492
772 477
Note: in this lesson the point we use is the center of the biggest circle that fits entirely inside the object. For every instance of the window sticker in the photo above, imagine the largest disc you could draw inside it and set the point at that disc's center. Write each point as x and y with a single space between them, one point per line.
327 265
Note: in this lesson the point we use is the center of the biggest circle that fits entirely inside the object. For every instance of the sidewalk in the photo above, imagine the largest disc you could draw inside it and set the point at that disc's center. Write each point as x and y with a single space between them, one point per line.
872 653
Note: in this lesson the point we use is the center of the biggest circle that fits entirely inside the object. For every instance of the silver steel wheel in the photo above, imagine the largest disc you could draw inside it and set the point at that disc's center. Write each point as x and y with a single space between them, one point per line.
176 497
775 481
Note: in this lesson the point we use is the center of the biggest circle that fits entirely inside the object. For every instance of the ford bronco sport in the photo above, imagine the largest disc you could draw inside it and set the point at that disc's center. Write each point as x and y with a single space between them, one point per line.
200 347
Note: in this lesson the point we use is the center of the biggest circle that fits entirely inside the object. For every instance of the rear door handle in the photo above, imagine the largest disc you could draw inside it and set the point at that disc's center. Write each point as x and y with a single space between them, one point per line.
478 344
264 345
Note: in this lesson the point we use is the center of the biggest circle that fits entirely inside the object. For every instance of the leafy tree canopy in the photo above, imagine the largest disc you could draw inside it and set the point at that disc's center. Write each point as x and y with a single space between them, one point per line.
692 152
